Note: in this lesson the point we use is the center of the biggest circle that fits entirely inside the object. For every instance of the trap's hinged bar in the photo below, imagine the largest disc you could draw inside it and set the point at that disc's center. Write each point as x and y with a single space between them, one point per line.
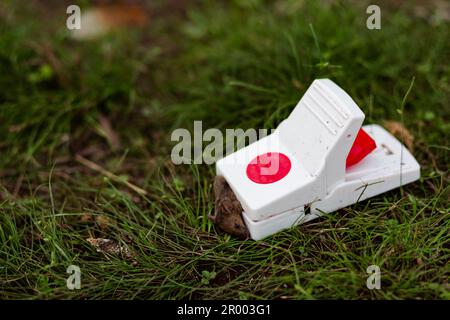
315 139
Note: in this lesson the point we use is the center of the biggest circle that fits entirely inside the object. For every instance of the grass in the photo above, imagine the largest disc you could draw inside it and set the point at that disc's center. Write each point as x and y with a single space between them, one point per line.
241 64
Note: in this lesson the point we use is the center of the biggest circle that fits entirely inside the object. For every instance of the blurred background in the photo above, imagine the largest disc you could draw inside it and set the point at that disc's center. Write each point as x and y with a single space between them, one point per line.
85 123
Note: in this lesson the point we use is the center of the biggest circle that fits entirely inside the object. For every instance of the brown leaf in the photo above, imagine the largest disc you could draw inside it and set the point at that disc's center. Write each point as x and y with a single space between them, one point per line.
123 15
102 19
16 128
105 245
87 217
108 246
103 221
398 130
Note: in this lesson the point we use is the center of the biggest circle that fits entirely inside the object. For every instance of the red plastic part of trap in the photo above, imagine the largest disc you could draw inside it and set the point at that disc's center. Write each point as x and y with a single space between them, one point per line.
362 146
268 168
273 166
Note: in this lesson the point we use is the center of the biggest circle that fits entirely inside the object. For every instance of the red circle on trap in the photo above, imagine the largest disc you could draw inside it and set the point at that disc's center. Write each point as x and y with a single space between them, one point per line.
268 168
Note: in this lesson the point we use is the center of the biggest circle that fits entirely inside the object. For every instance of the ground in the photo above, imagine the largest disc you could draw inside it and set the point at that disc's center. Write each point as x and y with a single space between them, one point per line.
85 150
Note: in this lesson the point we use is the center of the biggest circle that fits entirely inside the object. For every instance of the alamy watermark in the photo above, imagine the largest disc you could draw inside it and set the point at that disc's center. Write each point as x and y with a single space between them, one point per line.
374 279
74 280
73 21
208 146
374 20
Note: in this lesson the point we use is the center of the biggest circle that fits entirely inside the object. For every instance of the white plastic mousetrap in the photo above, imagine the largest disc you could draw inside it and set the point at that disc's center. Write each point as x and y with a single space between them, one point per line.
318 160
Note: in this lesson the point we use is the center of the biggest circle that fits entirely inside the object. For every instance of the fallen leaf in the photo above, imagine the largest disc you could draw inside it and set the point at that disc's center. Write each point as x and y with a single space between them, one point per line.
100 20
16 128
103 221
108 246
87 217
398 130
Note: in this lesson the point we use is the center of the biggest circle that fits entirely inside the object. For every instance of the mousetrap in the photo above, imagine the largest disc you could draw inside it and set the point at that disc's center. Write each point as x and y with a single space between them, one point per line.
318 160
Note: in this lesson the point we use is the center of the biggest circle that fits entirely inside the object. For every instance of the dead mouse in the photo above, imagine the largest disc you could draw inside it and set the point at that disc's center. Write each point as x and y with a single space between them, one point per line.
228 210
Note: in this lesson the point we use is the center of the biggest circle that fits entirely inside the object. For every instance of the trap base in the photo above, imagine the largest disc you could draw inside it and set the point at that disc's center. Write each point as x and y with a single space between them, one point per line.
389 166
